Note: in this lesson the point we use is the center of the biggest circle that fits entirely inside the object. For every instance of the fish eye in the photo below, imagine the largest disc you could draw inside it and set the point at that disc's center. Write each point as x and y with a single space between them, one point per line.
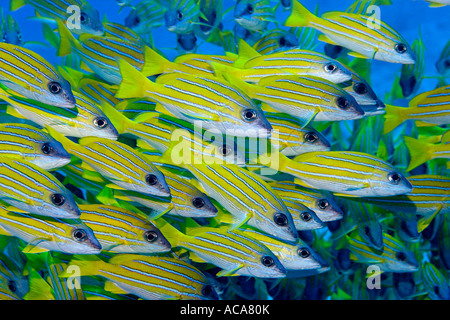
311 137
12 286
330 68
198 203
282 41
323 203
360 88
367 230
267 261
280 219
303 252
136 21
447 63
150 236
394 177
47 148
58 199
151 179
207 290
54 87
79 234
305 216
226 150
400 48
83 18
249 114
400 256
342 103
250 9
179 15
100 122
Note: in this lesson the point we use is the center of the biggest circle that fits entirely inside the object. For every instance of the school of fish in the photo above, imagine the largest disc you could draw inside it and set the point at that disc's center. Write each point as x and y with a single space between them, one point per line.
272 171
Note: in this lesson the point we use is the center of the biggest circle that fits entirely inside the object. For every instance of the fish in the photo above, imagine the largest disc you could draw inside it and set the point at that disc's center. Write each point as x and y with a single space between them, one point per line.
304 218
101 54
196 63
28 74
422 152
77 14
394 257
322 204
122 32
276 40
344 172
354 32
10 31
306 98
26 187
30 144
181 16
253 15
123 231
411 75
438 3
295 258
435 282
124 167
233 251
11 277
203 100
49 234
145 16
293 137
443 63
148 277
210 19
85 120
427 108
270 215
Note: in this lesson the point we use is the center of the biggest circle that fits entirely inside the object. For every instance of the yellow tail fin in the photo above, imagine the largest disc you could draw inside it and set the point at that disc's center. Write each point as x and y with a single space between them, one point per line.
393 118
154 63
68 41
134 83
420 152
299 17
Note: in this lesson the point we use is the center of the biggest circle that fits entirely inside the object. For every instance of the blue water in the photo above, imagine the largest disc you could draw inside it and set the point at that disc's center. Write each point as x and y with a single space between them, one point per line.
408 17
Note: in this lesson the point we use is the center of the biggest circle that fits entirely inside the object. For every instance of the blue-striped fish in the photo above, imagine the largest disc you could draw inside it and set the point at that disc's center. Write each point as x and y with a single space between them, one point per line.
276 40
324 205
253 15
78 14
356 33
306 98
210 19
181 16
148 277
293 138
119 163
9 30
247 197
394 257
252 67
30 75
196 63
435 282
49 234
428 108
204 100
351 173
296 258
85 120
101 54
304 218
29 188
11 276
232 251
123 231
28 143
119 31
145 16
422 152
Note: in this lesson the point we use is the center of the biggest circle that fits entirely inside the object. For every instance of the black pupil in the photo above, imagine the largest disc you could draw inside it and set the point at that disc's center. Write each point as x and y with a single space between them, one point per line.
447 63
401 256
207 290
58 199
47 148
100 122
250 9
323 204
151 179
12 286
198 202
331 67
225 150
395 177
401 48
79 234
304 253
267 261
282 41
311 137
281 219
179 15
151 236
367 230
83 18
137 20
54 87
250 114
342 103
360 88
306 216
